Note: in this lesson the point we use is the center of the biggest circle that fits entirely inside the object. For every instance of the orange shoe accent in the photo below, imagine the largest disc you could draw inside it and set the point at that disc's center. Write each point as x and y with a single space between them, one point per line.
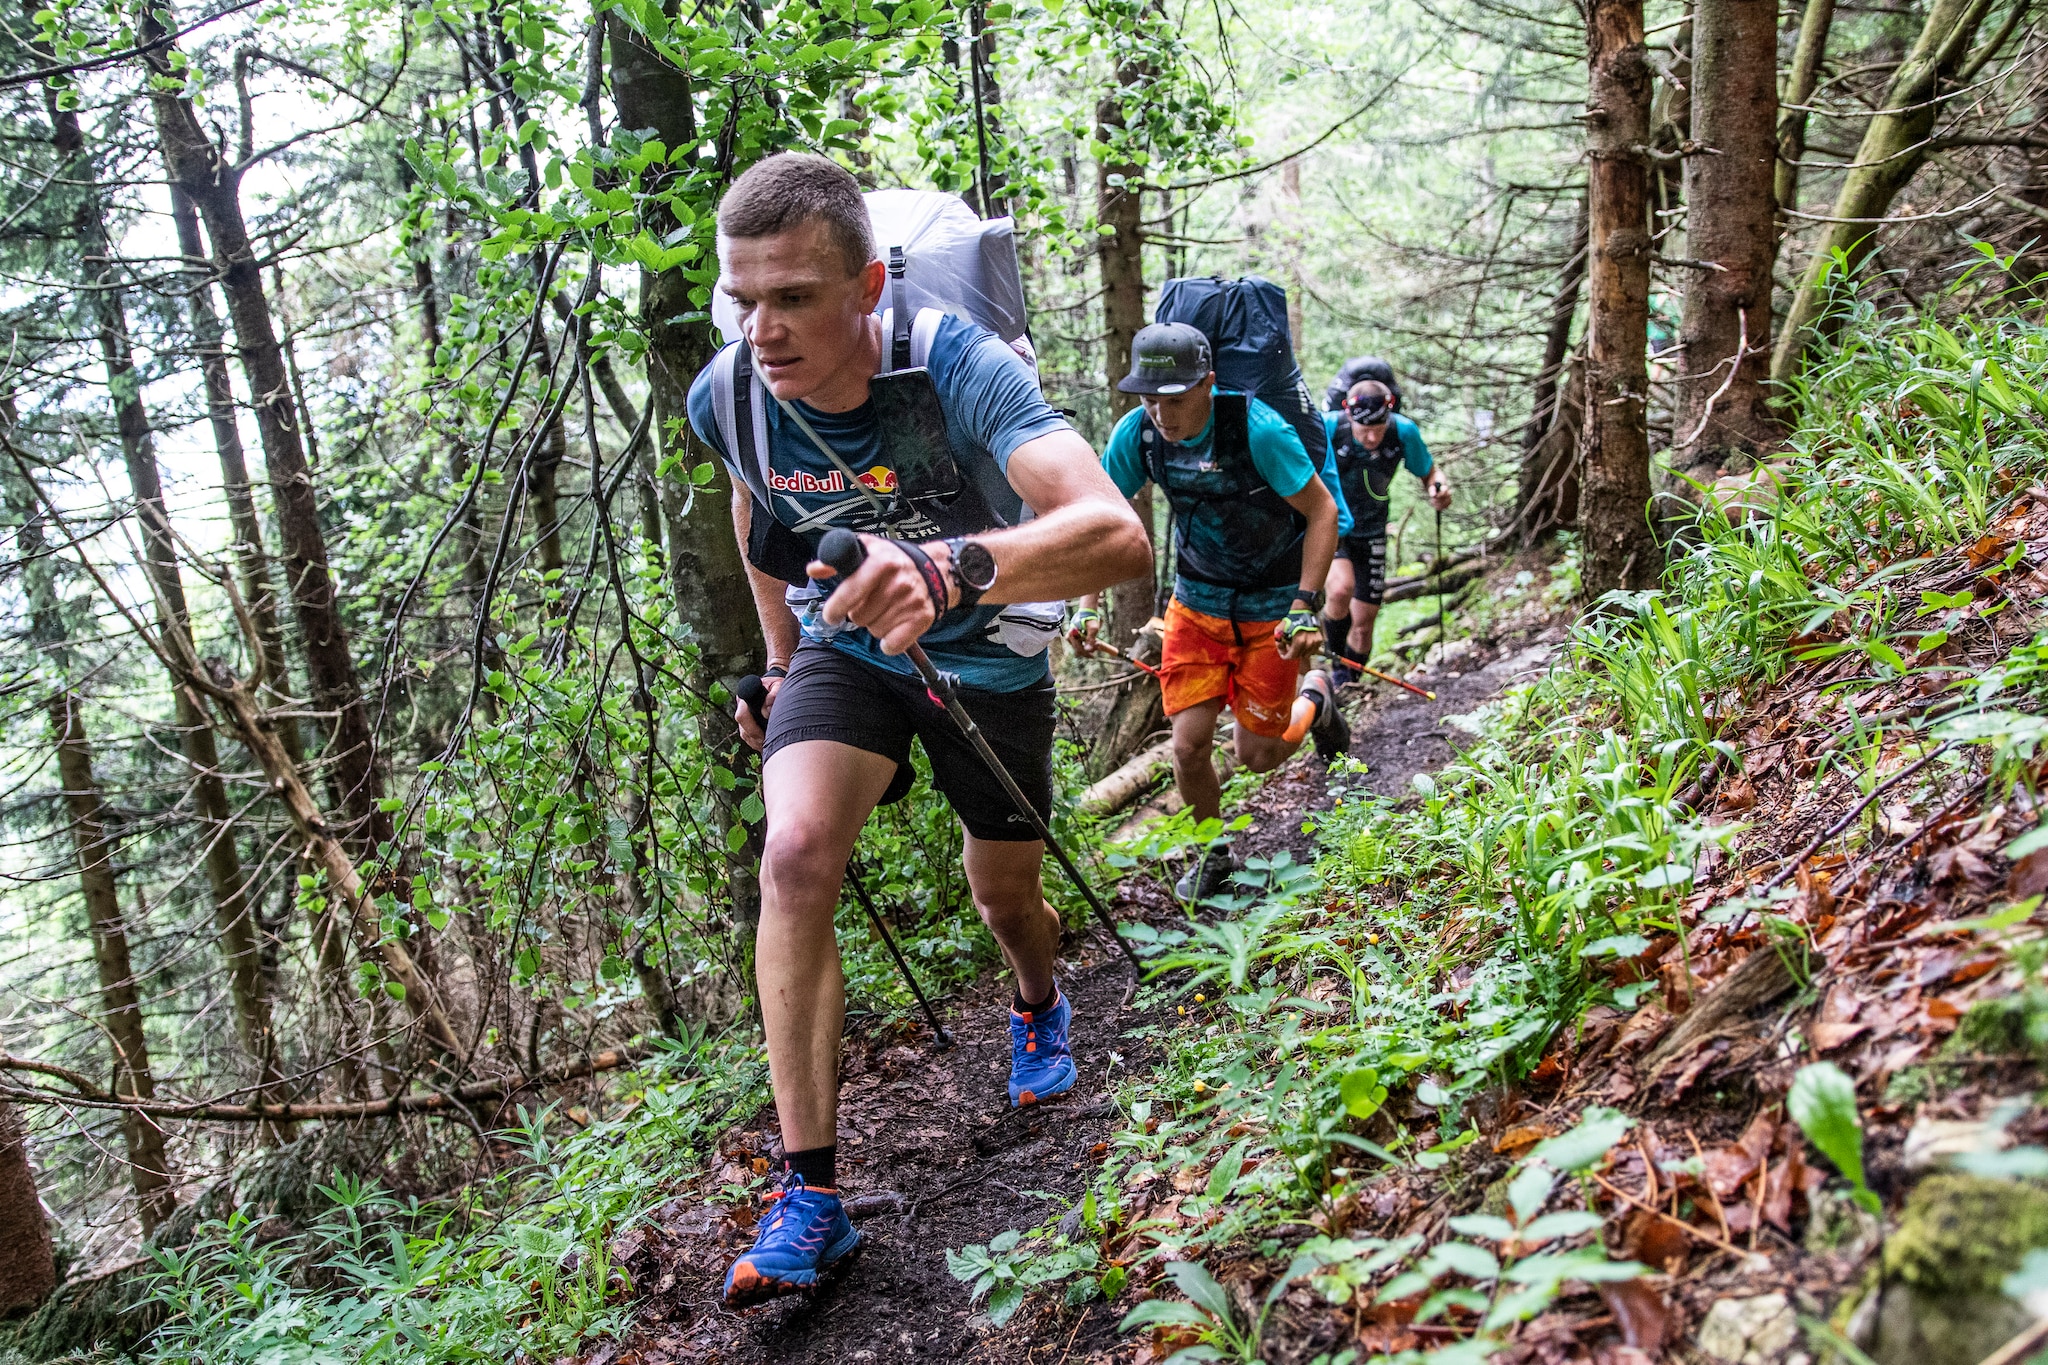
1298 723
1026 1097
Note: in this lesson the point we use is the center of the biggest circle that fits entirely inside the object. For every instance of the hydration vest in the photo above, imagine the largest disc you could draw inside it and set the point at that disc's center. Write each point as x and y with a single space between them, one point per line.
1367 476
1224 501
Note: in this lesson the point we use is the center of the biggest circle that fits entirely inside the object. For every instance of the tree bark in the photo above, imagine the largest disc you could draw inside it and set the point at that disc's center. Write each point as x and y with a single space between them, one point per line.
706 571
92 846
1893 148
214 185
1620 551
28 1269
1542 500
251 556
1120 255
234 920
1722 412
1800 83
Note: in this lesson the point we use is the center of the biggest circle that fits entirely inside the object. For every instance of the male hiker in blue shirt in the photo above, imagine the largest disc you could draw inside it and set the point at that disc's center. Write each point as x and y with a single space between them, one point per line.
1369 441
1256 528
1035 520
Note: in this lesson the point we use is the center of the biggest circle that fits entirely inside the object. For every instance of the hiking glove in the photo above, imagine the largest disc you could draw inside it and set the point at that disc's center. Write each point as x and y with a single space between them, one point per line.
1299 623
1077 629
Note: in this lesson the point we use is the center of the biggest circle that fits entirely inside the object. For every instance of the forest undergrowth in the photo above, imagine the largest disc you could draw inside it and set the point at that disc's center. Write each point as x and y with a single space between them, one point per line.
1624 1011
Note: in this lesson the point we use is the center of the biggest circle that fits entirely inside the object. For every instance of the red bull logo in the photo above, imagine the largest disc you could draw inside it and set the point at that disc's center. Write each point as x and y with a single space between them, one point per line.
879 479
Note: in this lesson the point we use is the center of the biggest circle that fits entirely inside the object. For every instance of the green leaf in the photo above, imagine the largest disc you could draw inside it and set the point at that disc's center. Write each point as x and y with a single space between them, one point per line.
1619 945
1464 1259
1596 1133
395 989
1165 1313
1005 1241
2034 839
1527 1191
1227 1170
1483 1225
1823 1103
1198 1284
702 474
1362 1093
1005 1302
1551 1226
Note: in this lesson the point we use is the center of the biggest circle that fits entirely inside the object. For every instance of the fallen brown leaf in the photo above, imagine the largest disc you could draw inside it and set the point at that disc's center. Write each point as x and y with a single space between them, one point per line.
1640 1311
1730 1168
1521 1136
1655 1242
2029 876
1836 1024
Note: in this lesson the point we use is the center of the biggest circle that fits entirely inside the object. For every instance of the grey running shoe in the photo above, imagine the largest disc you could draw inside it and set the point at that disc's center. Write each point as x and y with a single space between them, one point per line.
1207 877
1331 732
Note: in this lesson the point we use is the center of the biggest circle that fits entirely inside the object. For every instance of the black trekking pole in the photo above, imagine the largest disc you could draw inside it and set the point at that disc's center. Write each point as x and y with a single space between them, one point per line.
754 692
842 551
858 875
1443 634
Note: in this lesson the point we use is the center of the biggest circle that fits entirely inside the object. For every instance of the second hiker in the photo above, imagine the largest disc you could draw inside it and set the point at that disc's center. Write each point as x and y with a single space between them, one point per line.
1256 529
1369 441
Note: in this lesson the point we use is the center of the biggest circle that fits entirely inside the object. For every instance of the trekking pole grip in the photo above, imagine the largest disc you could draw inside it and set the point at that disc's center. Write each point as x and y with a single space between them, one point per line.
841 549
754 693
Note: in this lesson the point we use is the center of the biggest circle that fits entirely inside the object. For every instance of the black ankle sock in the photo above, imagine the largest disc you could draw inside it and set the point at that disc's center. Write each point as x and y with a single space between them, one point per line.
1337 636
819 1166
1023 1006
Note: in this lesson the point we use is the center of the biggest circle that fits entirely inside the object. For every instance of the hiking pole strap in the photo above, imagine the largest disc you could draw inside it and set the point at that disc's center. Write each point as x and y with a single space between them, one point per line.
842 550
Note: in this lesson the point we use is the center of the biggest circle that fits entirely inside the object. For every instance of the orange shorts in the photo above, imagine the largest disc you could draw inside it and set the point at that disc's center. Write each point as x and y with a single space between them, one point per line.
1202 661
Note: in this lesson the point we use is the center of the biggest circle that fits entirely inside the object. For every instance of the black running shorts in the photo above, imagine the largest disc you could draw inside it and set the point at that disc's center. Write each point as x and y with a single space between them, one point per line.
1368 556
832 695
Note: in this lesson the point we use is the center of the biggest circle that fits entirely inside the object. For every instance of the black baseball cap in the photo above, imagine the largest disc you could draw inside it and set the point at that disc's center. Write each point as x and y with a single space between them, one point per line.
1167 357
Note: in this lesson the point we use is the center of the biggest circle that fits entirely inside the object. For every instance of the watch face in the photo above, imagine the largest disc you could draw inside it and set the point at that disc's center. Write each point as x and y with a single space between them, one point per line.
977 567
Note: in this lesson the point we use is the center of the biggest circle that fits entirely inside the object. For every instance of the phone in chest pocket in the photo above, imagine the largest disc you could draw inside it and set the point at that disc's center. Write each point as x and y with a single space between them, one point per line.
912 424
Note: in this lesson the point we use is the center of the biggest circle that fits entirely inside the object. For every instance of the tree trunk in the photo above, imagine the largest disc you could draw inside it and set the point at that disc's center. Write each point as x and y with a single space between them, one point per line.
121 1008
1894 146
1119 205
214 186
28 1269
234 921
1620 551
988 103
92 844
258 593
706 571
1800 82
1722 411
1540 502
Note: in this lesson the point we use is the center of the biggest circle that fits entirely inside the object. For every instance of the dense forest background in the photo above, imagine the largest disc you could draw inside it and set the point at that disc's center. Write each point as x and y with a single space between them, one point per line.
368 612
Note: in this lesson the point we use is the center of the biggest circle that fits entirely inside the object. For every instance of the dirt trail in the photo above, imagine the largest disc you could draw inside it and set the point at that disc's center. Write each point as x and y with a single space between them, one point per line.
931 1154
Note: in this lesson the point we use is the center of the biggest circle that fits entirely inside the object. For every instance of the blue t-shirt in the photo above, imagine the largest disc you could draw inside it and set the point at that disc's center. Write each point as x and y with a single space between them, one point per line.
1279 459
992 405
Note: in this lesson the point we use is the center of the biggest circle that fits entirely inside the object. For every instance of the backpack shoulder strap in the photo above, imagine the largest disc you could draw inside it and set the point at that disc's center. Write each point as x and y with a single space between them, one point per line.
923 329
740 404
900 323
1152 450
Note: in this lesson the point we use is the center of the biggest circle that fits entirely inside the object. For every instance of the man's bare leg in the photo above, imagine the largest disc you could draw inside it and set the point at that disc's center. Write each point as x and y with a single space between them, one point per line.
1005 877
818 794
1364 615
1194 771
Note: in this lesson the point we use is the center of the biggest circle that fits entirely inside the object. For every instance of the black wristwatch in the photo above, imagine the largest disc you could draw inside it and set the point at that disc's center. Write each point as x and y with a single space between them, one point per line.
1314 599
974 569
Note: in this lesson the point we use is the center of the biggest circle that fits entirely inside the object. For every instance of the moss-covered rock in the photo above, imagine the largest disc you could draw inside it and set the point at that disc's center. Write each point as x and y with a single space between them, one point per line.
1957 1240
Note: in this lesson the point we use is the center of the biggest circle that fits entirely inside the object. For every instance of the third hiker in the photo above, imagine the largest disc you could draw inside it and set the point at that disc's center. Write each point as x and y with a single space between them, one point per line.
1256 529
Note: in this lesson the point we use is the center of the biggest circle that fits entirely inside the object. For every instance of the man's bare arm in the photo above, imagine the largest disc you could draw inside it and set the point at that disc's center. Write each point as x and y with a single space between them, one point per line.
778 623
1319 541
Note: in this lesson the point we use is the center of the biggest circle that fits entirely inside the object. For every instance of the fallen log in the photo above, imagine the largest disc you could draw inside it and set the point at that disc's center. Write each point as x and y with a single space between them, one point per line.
1146 770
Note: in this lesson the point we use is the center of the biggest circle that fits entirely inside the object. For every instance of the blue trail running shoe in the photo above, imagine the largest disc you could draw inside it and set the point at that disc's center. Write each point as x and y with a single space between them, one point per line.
804 1234
1041 1061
